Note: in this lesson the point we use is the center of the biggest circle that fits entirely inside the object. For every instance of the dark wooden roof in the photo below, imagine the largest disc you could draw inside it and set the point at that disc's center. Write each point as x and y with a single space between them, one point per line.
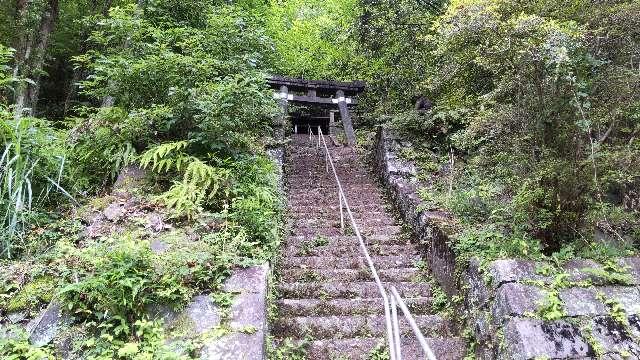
350 88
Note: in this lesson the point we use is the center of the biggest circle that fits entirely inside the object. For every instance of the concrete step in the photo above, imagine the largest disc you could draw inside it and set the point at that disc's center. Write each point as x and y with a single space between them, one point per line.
348 240
368 306
448 348
348 181
345 327
349 262
349 290
364 187
308 177
331 199
310 249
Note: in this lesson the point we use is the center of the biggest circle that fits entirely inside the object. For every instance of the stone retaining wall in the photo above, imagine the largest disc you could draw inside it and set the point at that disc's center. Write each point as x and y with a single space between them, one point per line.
400 178
597 308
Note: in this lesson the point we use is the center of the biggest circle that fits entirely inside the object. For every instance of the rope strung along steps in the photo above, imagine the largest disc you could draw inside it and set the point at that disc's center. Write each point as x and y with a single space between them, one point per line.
390 304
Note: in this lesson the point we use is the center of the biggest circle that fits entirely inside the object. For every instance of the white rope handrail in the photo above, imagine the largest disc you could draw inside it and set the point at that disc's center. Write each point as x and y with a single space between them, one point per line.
390 305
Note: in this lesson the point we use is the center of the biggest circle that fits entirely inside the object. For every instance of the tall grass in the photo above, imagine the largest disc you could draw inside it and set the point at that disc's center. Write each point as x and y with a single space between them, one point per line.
26 161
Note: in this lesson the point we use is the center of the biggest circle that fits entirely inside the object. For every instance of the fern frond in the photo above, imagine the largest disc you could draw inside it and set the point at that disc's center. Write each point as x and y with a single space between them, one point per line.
200 184
165 157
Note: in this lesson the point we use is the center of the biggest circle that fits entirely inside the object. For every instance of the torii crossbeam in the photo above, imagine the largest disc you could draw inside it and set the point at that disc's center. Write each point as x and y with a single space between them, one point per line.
321 93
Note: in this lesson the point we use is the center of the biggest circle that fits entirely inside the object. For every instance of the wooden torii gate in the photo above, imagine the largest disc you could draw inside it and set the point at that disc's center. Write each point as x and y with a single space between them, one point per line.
317 92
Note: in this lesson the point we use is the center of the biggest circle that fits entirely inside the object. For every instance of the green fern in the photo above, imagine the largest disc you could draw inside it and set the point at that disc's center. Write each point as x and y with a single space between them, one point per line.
166 157
205 177
200 182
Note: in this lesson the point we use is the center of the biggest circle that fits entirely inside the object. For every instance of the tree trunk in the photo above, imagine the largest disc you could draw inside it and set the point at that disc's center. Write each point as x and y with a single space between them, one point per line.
32 53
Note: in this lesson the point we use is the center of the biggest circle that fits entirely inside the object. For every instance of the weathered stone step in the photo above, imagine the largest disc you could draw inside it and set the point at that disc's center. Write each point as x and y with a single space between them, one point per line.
310 165
368 306
350 184
349 290
348 240
387 230
450 348
312 275
312 178
344 327
335 208
297 188
331 199
336 250
325 214
349 262
363 222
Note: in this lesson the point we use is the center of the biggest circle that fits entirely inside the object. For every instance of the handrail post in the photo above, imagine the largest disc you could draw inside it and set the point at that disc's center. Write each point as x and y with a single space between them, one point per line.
396 328
341 212
414 326
326 162
387 316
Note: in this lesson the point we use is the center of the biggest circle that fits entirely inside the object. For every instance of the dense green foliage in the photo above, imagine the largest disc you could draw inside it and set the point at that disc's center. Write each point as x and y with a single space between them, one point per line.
177 88
533 143
526 98
32 160
312 38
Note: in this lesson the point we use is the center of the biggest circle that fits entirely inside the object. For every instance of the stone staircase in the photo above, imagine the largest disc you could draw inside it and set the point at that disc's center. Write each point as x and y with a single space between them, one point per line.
325 291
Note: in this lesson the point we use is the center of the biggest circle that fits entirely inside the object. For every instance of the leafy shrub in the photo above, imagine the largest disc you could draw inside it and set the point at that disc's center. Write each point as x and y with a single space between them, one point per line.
116 287
528 100
15 345
191 98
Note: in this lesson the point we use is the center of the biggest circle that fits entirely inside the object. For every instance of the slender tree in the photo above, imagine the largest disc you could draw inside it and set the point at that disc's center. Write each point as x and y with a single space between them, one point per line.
36 22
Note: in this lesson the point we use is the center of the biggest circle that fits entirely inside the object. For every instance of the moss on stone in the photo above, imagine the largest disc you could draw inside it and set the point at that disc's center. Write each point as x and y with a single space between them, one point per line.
38 292
101 203
182 327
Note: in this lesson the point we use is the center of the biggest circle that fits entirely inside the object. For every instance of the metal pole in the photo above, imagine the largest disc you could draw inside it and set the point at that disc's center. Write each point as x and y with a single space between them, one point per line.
326 162
341 212
319 135
412 322
396 329
390 338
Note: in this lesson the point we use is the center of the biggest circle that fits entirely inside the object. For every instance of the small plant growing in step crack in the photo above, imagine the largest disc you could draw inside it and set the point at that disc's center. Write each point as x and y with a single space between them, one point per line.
440 301
551 307
305 249
587 334
320 240
249 329
324 296
616 310
307 246
310 276
224 300
611 273
288 349
380 352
